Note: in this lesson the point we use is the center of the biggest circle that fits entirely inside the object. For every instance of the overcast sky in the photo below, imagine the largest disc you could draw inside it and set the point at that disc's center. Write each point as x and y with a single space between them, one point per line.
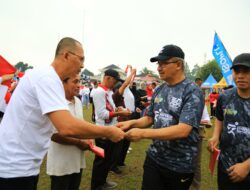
122 32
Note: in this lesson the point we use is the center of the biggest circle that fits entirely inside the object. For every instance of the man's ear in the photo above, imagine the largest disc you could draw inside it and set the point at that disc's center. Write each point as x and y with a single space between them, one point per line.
66 55
180 65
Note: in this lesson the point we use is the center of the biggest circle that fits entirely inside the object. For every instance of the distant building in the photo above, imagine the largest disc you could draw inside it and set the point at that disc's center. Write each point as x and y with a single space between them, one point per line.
86 75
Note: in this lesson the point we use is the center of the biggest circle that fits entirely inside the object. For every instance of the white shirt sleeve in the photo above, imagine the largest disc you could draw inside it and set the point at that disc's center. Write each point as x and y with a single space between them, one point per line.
50 95
129 99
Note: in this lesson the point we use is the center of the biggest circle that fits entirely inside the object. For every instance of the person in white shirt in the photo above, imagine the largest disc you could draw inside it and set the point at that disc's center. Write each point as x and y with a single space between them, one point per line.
39 101
65 162
85 96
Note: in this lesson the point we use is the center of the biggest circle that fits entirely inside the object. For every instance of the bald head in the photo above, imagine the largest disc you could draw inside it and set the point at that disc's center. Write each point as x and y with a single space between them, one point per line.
67 44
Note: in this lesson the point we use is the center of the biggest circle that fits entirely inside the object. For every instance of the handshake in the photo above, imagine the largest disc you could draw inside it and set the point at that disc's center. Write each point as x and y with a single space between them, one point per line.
123 130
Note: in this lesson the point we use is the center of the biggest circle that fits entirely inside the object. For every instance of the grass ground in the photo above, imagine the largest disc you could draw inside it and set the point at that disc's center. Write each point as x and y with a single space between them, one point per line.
132 173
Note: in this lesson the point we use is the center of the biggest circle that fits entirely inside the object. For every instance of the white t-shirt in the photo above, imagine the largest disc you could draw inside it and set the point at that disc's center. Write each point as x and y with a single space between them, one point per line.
66 159
99 100
129 99
84 91
25 130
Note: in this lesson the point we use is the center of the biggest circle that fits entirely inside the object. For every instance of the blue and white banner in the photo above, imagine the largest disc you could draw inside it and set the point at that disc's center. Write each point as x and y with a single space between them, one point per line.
223 59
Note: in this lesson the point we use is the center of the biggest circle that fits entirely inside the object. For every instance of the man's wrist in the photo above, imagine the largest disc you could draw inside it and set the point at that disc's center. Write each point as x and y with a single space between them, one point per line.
144 133
247 162
132 123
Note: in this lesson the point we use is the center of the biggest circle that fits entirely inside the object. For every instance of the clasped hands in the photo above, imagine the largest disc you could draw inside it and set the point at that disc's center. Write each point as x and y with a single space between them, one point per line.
132 134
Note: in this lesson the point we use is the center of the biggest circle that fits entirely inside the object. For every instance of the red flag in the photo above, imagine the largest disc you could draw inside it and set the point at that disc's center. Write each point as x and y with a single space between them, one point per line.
126 70
20 74
97 150
6 68
213 158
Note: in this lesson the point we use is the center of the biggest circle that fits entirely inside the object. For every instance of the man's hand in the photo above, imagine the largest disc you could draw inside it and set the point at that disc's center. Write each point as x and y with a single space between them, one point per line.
115 134
212 143
135 134
83 144
125 125
119 108
206 123
124 112
238 172
138 110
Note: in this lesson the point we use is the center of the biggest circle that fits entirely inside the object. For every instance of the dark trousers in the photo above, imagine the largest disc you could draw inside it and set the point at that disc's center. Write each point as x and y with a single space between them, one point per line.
224 182
212 109
66 182
123 153
158 178
101 166
19 183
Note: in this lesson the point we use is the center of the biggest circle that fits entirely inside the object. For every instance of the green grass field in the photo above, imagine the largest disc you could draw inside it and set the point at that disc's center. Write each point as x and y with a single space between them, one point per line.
132 173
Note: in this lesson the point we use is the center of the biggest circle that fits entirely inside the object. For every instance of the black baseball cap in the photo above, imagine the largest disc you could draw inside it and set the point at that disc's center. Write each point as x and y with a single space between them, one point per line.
114 74
168 52
242 60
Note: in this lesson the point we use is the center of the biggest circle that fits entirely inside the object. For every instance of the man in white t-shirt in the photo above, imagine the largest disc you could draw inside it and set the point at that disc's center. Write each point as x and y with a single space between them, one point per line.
65 158
38 101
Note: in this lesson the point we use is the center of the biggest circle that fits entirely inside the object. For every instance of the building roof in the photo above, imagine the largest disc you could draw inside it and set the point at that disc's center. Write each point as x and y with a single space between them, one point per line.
87 72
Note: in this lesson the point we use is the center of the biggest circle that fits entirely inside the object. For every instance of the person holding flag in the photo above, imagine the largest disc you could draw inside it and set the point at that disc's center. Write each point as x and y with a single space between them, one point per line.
7 72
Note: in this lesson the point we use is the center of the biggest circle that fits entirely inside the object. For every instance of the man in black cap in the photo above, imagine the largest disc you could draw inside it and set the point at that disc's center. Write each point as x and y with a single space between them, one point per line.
175 113
232 130
105 114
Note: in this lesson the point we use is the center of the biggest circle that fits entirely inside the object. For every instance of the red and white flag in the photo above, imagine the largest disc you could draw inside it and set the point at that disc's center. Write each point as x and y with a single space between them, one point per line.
5 68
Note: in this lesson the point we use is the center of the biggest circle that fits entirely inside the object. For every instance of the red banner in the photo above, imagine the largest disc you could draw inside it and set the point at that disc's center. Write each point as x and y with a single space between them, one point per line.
213 158
6 68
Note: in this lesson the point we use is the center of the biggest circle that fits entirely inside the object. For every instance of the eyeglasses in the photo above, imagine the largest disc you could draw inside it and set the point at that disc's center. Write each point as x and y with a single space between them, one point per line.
165 63
80 57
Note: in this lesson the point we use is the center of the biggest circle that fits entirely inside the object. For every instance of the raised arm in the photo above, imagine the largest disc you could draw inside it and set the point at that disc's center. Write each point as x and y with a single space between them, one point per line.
127 81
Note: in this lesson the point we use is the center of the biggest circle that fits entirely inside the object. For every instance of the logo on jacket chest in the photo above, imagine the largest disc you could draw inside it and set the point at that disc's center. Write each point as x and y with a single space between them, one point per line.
174 103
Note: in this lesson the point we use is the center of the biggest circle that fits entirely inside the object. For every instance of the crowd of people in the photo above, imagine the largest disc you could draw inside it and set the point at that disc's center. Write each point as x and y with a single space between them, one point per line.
45 116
